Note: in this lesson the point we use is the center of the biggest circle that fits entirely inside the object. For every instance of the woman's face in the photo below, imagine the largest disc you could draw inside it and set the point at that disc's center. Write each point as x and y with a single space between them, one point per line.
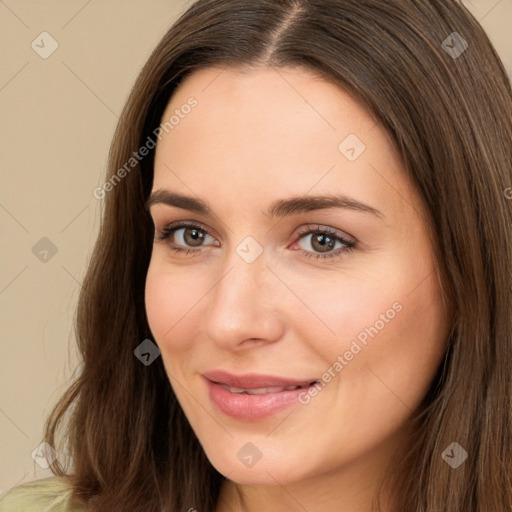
307 261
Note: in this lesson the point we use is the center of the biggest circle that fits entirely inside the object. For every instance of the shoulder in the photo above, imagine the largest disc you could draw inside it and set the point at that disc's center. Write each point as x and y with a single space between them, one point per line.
47 495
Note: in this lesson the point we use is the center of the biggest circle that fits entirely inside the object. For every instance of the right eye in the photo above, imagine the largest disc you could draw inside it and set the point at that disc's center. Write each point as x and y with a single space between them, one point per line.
184 236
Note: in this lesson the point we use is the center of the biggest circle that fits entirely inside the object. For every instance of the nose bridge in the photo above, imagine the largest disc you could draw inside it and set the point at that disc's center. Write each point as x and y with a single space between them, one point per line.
242 305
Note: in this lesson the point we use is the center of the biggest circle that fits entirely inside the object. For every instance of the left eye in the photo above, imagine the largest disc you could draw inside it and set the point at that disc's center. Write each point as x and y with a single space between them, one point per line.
324 241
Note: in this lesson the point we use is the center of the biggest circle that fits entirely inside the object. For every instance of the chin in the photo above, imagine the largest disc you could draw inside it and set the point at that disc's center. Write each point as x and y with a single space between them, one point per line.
262 472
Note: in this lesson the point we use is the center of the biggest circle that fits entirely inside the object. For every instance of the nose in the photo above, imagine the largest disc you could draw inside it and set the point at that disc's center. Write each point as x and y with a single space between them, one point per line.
244 305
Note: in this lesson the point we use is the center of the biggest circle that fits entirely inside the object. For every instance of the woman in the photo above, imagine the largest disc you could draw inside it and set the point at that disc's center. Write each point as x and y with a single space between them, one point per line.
300 296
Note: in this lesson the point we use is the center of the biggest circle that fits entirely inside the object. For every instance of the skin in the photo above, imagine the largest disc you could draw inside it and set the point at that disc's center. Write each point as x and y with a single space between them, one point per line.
257 136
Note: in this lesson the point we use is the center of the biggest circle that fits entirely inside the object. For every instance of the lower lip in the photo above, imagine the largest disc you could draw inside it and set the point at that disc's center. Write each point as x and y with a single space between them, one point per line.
243 406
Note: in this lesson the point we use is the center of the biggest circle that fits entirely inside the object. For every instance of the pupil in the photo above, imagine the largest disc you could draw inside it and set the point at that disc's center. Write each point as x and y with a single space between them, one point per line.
325 242
194 236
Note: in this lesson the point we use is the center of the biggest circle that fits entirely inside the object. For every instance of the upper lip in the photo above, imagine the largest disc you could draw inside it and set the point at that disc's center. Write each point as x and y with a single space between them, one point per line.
253 380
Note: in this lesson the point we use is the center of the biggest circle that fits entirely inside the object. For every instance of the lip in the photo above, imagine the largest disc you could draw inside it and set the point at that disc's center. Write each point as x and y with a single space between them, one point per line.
254 380
252 407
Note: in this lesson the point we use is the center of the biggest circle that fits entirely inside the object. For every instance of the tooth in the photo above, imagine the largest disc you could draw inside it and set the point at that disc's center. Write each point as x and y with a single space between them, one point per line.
233 390
236 390
259 391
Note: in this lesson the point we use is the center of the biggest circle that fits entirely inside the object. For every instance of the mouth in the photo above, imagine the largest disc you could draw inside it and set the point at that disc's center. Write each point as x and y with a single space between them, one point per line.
252 396
263 391
255 382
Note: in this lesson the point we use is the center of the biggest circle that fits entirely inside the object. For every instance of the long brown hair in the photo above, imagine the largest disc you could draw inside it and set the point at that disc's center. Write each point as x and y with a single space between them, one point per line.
447 107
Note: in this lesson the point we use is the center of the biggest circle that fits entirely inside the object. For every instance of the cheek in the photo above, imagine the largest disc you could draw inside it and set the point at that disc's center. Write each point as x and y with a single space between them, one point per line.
170 304
401 349
343 308
389 326
418 339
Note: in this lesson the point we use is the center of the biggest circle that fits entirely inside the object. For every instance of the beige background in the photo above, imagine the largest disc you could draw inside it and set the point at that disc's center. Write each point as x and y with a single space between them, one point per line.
58 116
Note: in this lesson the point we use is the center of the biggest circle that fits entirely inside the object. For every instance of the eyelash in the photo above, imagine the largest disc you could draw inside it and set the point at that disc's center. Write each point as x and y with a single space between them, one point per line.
168 230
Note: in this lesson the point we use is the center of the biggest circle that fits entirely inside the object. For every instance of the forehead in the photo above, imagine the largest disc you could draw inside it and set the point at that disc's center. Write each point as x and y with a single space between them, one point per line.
255 132
293 103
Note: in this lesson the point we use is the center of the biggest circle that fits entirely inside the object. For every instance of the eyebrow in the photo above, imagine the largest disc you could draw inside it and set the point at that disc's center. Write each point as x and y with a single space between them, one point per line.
279 208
